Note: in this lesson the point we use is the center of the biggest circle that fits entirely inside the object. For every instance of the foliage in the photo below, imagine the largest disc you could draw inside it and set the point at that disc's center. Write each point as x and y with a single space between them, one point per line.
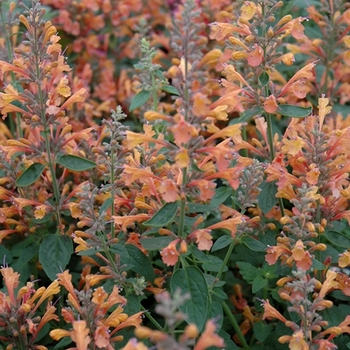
174 174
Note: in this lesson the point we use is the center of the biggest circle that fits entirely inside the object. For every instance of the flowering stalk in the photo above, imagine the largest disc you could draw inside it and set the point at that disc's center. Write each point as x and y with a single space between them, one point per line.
5 32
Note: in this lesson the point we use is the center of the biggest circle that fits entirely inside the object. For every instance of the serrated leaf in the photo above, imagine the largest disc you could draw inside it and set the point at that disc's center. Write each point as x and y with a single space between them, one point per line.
253 244
170 89
247 115
267 196
54 254
140 262
248 271
139 99
75 163
221 243
338 239
264 78
163 216
30 175
155 243
258 284
294 111
191 281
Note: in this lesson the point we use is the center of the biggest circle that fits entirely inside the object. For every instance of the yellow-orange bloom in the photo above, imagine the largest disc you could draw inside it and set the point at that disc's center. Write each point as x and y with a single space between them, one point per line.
170 255
80 335
209 338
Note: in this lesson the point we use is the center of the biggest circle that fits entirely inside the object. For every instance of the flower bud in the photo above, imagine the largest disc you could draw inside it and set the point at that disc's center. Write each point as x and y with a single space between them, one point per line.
191 331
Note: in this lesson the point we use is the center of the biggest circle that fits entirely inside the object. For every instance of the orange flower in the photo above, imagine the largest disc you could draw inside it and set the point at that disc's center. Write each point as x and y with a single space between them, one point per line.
209 338
344 259
182 159
304 73
11 280
270 104
255 57
292 146
129 220
221 31
273 253
101 337
203 238
183 132
328 284
301 256
206 188
65 280
323 109
230 224
169 190
170 255
296 341
271 312
248 10
80 335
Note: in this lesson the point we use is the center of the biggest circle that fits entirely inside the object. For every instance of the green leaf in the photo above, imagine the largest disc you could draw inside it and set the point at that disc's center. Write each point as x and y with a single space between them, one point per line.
258 284
253 244
106 204
213 264
139 99
54 254
163 216
62 344
338 239
216 313
221 194
267 197
140 262
317 265
219 293
294 111
247 115
191 281
248 271
230 345
120 250
262 331
170 89
5 256
264 78
30 175
75 163
221 242
155 243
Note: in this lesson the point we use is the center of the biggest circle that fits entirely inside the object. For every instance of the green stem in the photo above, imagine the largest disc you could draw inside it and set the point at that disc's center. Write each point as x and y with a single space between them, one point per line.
224 263
235 325
272 152
50 158
182 204
149 316
112 192
154 91
244 151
